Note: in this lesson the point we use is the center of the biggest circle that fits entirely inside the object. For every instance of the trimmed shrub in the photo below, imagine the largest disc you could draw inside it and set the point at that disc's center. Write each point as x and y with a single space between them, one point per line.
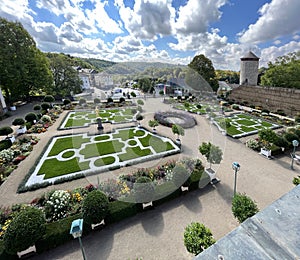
243 207
36 107
143 190
281 142
119 210
26 228
46 119
6 130
166 192
82 101
30 117
67 101
291 136
97 101
110 100
18 121
5 144
133 94
49 99
180 176
122 100
197 237
95 207
140 102
45 106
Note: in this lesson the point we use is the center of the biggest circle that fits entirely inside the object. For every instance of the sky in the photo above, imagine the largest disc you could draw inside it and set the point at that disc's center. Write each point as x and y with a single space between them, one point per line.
172 31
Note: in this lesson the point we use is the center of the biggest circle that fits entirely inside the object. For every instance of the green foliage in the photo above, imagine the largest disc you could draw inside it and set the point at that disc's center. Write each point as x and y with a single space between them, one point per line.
229 76
144 84
5 144
289 136
82 101
26 228
284 72
6 130
197 237
153 123
143 190
95 207
267 135
243 207
177 130
30 117
204 67
140 102
119 210
20 58
49 99
296 180
161 92
67 101
180 175
18 121
36 107
45 106
212 153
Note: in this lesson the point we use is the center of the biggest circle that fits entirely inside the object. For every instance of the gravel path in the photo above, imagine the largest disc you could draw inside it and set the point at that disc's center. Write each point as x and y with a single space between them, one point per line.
158 233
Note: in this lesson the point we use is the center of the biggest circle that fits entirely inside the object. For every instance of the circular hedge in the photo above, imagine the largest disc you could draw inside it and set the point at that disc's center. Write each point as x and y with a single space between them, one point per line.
26 228
165 118
18 121
6 130
95 207
30 117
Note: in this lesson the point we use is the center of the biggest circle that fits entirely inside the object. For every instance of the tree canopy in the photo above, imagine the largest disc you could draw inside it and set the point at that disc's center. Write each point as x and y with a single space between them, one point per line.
284 72
204 67
24 68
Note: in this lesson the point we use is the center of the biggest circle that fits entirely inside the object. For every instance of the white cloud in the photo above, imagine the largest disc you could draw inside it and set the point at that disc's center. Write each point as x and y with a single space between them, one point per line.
195 16
147 19
278 18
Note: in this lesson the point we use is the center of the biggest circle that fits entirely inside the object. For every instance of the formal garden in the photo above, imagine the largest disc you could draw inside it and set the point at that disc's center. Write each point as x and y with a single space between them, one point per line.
79 118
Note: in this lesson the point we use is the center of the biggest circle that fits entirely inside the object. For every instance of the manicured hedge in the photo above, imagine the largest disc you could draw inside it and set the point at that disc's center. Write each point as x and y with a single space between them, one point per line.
119 210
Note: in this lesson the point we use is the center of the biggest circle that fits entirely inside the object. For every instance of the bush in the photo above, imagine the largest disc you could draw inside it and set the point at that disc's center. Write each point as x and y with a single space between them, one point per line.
291 136
46 119
18 121
122 100
82 101
140 102
67 101
26 228
143 190
45 106
95 207
281 142
243 207
133 94
30 117
6 130
5 144
197 237
180 176
119 210
110 100
49 99
36 107
296 180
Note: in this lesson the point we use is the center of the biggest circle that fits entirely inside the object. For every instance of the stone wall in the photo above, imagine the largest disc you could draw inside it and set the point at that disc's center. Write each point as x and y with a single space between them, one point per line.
269 98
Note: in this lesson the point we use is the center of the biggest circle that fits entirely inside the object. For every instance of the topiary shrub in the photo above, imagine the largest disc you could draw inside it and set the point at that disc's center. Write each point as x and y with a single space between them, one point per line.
243 207
30 117
36 107
291 136
180 176
133 94
46 119
49 99
95 207
6 130
197 237
67 101
97 101
122 100
143 190
18 121
45 106
5 144
25 229
110 100
140 102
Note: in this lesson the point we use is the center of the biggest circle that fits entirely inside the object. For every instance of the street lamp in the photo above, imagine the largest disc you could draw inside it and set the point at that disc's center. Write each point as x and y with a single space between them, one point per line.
236 167
76 232
295 144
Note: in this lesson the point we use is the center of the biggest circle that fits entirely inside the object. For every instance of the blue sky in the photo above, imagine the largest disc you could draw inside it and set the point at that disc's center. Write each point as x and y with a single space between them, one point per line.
172 31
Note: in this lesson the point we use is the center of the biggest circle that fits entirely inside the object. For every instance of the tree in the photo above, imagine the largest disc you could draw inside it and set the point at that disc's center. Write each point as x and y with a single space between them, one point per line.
243 207
153 124
66 78
267 136
95 207
204 67
144 84
197 237
24 68
25 229
284 72
212 153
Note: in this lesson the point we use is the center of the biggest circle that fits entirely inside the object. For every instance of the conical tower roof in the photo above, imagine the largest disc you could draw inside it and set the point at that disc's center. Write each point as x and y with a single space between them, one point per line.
250 56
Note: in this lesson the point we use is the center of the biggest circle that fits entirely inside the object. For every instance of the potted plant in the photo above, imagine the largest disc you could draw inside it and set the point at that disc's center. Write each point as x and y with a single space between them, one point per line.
153 124
213 155
267 137
179 131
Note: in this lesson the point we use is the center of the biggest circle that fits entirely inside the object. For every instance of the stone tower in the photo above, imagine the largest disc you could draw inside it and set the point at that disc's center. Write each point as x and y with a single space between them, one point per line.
249 69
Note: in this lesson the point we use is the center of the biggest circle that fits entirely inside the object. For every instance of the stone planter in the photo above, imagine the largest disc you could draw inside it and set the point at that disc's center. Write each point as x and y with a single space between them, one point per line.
211 173
21 130
27 252
97 225
13 108
265 152
184 188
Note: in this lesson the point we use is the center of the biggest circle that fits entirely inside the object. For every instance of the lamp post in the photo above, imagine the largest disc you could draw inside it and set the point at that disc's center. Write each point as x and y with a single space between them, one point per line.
236 167
295 144
76 232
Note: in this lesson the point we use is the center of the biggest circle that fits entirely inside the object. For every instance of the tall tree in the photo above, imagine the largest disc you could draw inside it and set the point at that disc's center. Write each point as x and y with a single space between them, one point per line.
206 70
284 72
23 66
66 78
